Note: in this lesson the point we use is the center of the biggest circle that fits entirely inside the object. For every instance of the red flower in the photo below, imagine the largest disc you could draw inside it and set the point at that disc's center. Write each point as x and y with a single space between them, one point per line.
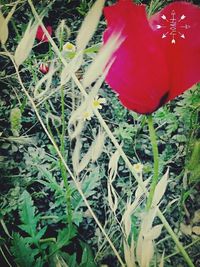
159 58
44 68
40 36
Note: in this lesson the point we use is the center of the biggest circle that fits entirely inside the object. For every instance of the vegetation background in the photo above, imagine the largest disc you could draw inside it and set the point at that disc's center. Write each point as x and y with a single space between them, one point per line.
44 219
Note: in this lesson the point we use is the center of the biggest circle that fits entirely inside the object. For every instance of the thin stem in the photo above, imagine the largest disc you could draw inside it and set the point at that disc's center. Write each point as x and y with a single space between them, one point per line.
174 237
186 247
62 167
154 182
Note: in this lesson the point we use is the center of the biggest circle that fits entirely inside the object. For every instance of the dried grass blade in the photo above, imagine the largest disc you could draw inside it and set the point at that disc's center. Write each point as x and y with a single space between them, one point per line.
76 155
113 164
129 254
70 69
24 47
10 14
162 260
102 59
147 253
98 146
154 232
127 219
4 24
160 189
3 29
112 197
93 152
89 25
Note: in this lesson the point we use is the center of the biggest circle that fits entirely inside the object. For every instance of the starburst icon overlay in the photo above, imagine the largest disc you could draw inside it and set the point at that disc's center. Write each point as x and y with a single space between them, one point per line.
173 27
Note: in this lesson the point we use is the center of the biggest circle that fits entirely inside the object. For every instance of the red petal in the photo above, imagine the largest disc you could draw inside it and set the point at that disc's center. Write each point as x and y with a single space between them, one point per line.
40 36
44 68
183 56
139 73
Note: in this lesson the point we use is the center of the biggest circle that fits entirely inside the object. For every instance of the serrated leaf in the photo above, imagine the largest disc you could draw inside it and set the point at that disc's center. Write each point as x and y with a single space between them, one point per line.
64 237
24 255
26 228
70 259
24 47
27 215
89 184
87 256
89 25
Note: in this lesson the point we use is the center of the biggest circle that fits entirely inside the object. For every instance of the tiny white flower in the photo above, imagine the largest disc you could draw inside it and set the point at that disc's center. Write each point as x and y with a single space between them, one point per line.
69 47
87 115
97 102
138 167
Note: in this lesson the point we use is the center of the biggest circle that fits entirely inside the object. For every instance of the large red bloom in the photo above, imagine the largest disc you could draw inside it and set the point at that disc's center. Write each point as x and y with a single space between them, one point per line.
159 58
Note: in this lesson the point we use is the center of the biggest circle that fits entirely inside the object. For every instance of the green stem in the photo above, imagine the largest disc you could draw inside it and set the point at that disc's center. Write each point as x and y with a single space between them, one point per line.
62 150
152 134
186 247
174 237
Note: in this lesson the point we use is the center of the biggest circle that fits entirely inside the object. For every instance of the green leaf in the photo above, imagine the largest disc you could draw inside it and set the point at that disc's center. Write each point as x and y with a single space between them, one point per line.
89 187
93 49
70 259
27 215
41 233
39 263
65 236
24 255
87 259
15 121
